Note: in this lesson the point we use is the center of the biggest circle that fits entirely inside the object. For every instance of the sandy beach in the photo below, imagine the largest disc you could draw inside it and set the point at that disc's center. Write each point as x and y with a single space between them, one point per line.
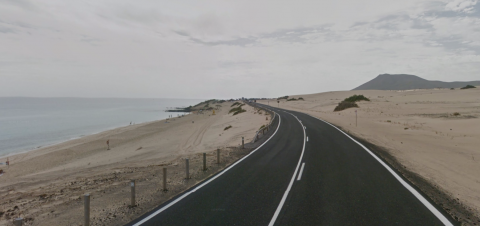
45 186
433 133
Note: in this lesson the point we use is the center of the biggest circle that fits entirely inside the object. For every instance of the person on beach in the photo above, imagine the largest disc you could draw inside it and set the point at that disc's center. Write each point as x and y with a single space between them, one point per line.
108 144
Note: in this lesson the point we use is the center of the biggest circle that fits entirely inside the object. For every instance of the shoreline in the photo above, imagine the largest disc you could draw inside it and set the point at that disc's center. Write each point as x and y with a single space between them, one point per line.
47 184
76 138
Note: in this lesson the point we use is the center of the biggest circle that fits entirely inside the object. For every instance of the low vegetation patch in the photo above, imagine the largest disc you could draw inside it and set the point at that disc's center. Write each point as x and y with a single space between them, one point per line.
240 111
228 127
261 127
468 87
356 98
237 110
293 99
285 97
344 105
235 104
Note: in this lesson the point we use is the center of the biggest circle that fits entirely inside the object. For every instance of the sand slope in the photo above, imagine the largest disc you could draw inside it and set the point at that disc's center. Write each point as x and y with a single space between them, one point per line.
131 146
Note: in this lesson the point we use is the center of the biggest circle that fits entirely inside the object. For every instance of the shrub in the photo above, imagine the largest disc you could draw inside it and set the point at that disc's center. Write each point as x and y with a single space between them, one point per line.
344 105
234 109
285 97
356 98
456 114
234 104
292 99
237 110
261 127
300 98
468 87
240 111
228 127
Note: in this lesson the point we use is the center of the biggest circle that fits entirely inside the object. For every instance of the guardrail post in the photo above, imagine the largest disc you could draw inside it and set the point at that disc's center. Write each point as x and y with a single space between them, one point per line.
18 221
132 187
164 179
86 209
243 144
218 156
204 161
187 169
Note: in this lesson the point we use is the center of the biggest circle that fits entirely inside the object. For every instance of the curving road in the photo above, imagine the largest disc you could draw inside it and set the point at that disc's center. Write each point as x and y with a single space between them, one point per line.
307 173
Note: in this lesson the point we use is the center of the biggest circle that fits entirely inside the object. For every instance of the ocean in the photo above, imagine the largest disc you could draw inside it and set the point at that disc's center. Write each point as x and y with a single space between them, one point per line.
30 123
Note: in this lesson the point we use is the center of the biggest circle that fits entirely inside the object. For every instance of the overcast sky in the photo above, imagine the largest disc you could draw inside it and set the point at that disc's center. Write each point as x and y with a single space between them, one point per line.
223 49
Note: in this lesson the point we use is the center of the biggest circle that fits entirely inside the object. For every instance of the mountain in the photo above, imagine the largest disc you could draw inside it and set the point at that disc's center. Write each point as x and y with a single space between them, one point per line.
403 82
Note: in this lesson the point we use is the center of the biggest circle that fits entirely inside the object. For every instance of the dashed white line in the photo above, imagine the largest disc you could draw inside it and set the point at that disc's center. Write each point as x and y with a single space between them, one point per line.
282 202
307 139
301 172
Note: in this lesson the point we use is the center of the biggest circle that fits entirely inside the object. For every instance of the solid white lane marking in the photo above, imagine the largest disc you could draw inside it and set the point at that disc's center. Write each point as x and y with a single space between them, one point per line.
213 178
307 139
301 172
282 202
425 202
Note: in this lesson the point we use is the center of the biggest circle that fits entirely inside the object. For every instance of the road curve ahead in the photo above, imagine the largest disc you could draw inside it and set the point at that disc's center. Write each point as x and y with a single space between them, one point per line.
307 173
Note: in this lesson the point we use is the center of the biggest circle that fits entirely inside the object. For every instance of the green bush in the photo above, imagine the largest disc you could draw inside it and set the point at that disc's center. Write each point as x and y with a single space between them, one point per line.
240 111
285 97
356 98
234 109
468 87
344 105
234 104
228 127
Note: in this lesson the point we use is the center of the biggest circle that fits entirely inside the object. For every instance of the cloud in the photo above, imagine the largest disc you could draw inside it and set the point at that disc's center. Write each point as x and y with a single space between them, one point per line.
215 48
465 6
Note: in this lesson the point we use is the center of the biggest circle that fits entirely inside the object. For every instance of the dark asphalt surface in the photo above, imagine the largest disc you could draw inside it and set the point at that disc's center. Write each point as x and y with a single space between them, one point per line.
341 184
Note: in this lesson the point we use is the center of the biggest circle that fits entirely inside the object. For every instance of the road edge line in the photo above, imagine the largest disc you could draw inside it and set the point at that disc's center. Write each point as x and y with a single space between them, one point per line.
208 181
412 190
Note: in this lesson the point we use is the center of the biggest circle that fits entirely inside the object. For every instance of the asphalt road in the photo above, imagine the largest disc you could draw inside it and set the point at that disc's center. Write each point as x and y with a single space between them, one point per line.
307 173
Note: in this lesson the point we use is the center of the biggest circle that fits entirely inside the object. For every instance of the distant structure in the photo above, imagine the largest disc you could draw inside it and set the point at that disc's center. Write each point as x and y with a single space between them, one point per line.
405 82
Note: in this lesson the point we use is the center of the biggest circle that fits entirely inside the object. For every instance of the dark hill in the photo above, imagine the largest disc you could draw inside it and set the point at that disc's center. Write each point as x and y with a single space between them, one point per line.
403 82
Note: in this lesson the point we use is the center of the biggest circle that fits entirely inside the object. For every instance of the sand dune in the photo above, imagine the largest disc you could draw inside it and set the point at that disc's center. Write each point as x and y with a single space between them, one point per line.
419 128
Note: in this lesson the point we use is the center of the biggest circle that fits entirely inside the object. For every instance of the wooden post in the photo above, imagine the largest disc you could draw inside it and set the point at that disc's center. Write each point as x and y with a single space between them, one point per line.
132 186
204 161
164 179
243 144
187 166
86 208
218 156
18 221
